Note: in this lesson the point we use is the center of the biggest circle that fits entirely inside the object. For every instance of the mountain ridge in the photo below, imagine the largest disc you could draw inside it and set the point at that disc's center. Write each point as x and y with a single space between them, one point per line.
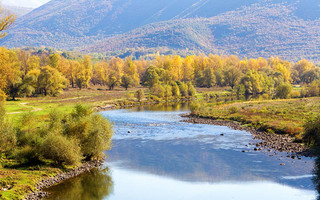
251 28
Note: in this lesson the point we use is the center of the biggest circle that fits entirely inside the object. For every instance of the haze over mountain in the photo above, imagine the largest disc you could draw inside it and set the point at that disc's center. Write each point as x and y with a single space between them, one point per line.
24 3
254 28
18 11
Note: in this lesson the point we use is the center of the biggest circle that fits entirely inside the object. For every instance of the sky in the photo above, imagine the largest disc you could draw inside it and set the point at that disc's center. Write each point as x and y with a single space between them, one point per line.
24 3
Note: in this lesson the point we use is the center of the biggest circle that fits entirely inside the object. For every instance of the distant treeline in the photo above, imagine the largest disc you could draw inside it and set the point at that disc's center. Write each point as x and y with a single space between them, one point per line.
23 73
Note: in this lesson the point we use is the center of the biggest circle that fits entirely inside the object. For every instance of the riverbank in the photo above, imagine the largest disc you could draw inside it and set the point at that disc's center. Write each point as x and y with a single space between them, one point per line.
46 183
269 141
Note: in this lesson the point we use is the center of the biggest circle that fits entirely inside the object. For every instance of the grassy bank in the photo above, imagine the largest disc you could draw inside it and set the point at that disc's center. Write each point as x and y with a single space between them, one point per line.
274 116
18 180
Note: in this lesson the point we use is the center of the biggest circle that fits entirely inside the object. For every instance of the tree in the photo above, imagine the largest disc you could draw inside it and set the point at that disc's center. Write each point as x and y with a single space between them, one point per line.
54 60
85 73
175 90
9 70
5 21
130 70
209 79
310 76
151 76
283 91
188 68
232 76
127 82
112 81
257 83
167 91
51 81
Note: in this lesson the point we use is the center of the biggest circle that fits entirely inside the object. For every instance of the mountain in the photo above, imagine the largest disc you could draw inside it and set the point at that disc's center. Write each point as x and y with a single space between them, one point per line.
252 28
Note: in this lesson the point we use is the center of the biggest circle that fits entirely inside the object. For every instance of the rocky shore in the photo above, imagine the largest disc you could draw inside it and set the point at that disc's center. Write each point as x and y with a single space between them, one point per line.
269 142
46 183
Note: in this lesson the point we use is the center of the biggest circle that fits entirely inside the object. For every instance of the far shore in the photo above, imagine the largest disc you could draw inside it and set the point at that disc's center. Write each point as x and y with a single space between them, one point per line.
270 142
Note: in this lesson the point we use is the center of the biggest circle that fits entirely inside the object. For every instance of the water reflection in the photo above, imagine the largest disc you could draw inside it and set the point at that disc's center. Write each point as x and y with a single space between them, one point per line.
94 185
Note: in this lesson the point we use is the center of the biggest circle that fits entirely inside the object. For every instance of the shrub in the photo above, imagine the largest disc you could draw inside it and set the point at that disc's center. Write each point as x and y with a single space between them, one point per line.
167 91
233 110
61 149
183 89
139 95
92 130
312 132
28 154
158 90
195 106
175 90
98 138
191 90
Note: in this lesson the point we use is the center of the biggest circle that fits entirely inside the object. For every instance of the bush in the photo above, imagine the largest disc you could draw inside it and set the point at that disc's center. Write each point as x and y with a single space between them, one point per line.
139 95
195 106
233 110
312 132
98 138
167 91
158 90
28 154
191 90
93 131
63 139
183 89
175 90
61 149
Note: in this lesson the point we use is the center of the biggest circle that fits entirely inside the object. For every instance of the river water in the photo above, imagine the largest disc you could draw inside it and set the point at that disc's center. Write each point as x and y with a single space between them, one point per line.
155 156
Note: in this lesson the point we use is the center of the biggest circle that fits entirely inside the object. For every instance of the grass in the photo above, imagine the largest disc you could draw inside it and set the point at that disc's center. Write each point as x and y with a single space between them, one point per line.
17 180
275 116
42 106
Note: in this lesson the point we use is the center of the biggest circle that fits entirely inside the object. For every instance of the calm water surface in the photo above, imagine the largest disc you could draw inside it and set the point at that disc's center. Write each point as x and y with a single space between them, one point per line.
163 158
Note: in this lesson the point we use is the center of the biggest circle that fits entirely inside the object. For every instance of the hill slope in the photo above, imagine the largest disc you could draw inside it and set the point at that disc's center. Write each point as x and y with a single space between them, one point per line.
244 27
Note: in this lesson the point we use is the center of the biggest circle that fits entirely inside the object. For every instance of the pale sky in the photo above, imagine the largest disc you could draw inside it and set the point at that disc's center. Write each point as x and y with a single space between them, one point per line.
24 3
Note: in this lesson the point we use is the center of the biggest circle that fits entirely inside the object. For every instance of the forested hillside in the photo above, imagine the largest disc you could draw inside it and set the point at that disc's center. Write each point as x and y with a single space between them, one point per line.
252 28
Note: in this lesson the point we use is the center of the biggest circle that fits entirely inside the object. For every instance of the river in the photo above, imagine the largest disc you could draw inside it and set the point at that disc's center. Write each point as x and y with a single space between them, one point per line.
156 156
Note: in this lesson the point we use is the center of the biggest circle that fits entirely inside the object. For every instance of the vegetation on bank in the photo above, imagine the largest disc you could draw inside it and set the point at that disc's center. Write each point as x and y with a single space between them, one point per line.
288 116
29 148
41 73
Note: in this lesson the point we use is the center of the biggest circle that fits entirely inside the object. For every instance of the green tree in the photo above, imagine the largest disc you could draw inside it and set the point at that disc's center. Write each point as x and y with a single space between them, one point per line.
127 82
151 77
283 91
